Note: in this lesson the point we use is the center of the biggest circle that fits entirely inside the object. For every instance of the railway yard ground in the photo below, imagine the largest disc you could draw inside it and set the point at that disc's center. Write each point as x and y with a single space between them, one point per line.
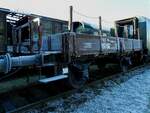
121 93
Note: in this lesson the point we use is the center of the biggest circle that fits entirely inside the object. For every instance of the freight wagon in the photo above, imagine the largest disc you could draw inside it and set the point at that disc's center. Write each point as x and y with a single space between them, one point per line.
30 45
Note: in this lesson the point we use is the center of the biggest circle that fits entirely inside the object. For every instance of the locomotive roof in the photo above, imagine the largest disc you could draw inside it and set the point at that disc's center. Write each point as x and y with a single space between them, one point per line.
139 18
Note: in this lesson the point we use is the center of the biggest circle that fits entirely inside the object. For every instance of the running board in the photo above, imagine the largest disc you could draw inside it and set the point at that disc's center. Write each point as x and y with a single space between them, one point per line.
51 79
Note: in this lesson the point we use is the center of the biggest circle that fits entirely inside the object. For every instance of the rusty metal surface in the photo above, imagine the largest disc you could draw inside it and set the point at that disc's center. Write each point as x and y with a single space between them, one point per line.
84 44
109 44
87 44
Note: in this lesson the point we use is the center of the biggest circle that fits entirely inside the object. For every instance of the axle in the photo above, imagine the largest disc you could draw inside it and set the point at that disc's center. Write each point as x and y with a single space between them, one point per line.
7 62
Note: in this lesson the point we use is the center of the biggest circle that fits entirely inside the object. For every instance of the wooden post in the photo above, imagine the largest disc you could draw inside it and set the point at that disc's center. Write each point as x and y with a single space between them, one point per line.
100 26
134 28
116 30
100 32
71 19
138 33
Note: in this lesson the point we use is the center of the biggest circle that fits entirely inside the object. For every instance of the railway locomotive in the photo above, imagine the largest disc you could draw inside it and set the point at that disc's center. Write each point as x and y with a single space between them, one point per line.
39 49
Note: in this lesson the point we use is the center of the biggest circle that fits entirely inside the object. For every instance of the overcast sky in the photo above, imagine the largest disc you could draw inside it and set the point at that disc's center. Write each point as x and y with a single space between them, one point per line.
110 10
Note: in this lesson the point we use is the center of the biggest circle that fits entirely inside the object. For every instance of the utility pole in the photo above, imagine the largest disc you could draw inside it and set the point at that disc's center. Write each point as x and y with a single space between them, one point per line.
71 19
100 26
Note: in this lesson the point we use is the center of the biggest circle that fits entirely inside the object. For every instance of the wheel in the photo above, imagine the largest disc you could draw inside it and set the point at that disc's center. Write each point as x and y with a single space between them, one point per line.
124 63
138 58
101 63
124 68
76 77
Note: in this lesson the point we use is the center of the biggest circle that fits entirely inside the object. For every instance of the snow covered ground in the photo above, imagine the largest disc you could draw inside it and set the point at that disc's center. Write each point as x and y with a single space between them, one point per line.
131 95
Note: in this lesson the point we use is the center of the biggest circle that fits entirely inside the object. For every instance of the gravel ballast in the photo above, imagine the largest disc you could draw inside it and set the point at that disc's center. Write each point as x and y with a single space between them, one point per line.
132 96
127 94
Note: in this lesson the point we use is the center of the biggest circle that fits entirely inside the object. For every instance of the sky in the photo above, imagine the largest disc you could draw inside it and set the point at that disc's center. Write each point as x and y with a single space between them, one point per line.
109 10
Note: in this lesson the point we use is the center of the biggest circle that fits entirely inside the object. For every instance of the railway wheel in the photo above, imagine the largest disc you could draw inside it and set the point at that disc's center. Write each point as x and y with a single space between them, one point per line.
78 75
124 68
101 63
125 62
138 58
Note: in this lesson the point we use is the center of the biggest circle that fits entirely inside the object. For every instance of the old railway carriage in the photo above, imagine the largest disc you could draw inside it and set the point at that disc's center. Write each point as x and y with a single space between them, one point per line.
40 50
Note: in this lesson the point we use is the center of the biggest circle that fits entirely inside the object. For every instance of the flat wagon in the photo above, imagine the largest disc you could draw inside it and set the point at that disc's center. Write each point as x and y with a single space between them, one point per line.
30 42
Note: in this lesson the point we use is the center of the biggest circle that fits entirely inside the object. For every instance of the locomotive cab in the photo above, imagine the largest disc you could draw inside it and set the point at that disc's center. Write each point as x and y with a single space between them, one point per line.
135 28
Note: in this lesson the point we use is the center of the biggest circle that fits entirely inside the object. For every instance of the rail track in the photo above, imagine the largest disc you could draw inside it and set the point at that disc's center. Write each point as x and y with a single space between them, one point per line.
42 103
